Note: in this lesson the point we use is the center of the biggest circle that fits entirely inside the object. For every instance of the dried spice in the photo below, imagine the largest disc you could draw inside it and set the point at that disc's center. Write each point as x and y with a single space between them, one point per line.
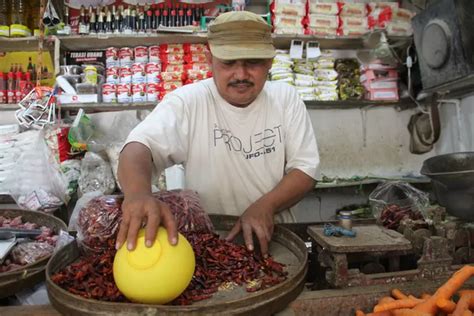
218 263
392 215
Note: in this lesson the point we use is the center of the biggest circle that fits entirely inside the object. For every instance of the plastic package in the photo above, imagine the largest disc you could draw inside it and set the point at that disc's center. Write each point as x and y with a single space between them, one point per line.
328 7
392 201
29 252
98 221
187 210
96 175
36 182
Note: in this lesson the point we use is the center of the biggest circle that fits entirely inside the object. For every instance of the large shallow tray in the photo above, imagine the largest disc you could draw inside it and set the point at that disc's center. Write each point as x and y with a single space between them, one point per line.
31 274
286 247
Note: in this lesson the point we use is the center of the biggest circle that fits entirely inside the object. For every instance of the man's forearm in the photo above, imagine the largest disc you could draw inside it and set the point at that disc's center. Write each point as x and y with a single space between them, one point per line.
290 190
135 169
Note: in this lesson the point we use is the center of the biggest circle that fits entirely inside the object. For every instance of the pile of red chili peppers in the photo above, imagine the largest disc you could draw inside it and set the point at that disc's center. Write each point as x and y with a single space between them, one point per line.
218 262
392 215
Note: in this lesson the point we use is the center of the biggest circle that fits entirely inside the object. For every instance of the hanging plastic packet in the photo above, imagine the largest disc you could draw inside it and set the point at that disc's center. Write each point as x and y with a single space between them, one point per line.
50 16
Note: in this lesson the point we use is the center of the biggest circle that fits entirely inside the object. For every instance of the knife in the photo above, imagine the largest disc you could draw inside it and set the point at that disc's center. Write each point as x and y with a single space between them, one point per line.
7 233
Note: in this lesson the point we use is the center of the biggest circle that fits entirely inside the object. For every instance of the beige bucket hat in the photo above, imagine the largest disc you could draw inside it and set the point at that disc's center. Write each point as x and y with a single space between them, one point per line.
240 35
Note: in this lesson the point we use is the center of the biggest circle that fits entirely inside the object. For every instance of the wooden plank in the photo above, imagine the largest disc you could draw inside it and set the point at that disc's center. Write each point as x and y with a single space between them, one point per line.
29 310
370 238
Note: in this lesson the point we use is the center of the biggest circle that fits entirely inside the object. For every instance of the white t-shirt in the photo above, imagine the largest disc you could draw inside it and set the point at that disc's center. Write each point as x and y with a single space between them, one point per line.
232 156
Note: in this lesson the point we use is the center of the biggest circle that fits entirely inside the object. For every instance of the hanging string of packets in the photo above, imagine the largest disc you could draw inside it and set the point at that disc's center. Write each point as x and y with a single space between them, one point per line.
37 109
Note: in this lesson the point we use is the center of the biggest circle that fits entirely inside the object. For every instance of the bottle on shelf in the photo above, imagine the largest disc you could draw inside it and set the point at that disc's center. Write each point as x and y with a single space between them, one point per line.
83 26
5 18
3 88
10 88
18 27
67 21
33 17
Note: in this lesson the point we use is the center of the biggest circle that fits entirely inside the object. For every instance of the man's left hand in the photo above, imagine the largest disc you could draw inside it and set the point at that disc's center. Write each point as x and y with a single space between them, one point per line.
258 220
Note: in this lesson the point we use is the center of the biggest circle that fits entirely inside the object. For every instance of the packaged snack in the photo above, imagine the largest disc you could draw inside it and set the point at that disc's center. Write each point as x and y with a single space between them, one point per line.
173 58
354 9
399 28
195 58
325 74
171 49
400 14
289 9
324 21
323 32
171 76
141 54
323 7
170 85
354 21
195 48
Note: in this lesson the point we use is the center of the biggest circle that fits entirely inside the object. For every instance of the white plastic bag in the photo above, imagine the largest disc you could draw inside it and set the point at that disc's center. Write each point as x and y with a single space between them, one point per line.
36 182
96 175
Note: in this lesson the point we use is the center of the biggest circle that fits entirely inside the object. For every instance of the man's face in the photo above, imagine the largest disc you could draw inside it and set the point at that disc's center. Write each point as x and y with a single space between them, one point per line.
239 81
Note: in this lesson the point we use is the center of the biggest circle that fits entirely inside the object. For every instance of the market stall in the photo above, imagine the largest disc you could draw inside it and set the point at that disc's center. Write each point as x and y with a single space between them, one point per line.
73 86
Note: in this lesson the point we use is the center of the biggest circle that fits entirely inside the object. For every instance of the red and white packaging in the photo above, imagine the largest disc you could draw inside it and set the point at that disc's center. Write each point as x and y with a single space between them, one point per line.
171 49
152 92
195 58
380 84
171 76
324 21
196 75
379 18
165 67
353 9
125 56
352 31
404 15
378 75
323 7
138 73
112 75
139 92
111 57
354 21
322 31
289 9
376 66
382 95
124 93
154 54
198 67
125 75
287 21
153 71
383 5
109 93
141 54
399 28
172 58
195 48
170 85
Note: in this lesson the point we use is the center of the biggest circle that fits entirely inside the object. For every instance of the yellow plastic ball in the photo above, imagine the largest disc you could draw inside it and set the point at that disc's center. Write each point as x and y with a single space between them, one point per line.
155 275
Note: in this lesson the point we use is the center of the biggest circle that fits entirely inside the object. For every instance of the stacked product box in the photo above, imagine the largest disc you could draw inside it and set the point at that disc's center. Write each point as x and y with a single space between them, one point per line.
146 74
288 17
323 18
353 18
380 82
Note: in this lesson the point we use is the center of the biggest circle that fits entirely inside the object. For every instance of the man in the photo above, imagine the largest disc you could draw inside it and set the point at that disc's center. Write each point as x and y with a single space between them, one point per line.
247 145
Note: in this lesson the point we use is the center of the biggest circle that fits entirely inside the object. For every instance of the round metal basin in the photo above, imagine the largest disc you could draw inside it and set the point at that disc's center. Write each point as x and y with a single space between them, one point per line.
286 247
452 176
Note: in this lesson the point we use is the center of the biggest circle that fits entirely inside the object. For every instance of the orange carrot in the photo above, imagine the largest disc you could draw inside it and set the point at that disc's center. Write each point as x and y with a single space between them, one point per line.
398 304
447 306
407 312
359 313
386 299
398 294
462 305
425 296
446 291
471 303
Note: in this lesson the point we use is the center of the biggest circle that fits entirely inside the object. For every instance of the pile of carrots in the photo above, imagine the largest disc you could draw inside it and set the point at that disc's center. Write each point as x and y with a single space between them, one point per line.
440 303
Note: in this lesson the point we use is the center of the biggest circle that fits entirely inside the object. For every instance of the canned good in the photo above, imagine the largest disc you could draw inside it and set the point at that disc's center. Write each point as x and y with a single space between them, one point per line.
112 75
141 54
90 75
138 73
125 55
125 75
154 54
111 55
138 92
152 71
345 219
109 93
152 92
124 93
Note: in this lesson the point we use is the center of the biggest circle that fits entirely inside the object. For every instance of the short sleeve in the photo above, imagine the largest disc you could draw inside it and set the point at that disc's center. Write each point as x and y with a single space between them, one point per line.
301 149
165 132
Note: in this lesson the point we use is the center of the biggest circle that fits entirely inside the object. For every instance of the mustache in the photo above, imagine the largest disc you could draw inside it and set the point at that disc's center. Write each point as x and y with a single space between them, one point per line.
239 82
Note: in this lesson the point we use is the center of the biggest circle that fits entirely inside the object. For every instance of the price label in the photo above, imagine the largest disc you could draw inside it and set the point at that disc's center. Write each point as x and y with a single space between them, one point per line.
312 50
296 49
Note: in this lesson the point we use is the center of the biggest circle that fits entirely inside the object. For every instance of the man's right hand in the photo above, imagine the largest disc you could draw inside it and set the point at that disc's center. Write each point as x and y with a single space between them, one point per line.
145 209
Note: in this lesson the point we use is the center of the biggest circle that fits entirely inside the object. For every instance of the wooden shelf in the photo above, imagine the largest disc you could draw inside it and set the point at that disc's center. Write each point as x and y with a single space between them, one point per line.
108 107
90 42
15 44
311 105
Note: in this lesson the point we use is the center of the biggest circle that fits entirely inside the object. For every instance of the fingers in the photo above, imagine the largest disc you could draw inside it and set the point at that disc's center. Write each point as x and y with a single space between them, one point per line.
152 223
169 223
122 234
133 228
234 231
247 232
